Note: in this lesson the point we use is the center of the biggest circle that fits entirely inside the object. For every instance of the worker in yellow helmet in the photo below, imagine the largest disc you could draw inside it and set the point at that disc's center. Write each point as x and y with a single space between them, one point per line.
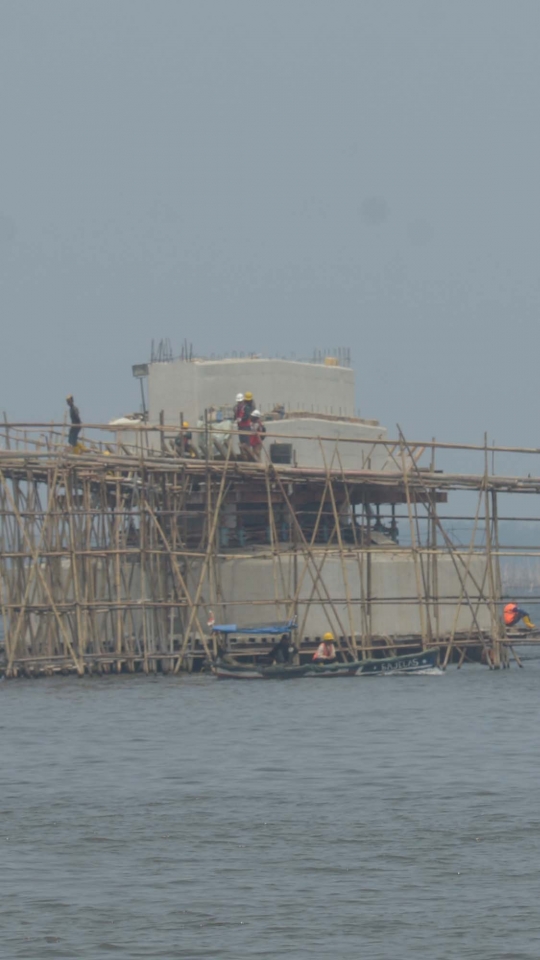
182 443
244 424
326 651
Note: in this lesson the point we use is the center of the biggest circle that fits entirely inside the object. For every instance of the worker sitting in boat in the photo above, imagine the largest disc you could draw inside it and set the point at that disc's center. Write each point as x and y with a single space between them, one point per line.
326 651
513 614
283 651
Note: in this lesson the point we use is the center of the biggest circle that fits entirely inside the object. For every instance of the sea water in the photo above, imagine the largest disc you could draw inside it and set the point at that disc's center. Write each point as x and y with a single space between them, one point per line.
381 818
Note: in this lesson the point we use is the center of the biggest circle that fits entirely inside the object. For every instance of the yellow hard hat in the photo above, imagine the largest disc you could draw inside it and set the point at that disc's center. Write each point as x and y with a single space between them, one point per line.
69 396
185 425
328 636
248 395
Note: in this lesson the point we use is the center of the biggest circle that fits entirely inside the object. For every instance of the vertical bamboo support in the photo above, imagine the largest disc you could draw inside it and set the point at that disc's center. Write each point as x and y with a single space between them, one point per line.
496 552
74 561
351 642
162 432
424 567
143 562
366 532
434 583
7 436
359 551
298 581
25 538
204 566
181 580
274 545
308 558
463 588
310 565
414 552
117 576
455 557
500 653
88 567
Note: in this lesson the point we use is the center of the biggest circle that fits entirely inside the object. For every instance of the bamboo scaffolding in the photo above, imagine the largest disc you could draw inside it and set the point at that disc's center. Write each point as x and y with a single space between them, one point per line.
111 561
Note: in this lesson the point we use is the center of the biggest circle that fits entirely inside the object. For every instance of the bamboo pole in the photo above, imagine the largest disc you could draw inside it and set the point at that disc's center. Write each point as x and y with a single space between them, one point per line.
351 642
359 551
182 582
434 555
204 566
28 585
35 557
500 656
276 557
454 561
309 559
421 612
97 605
471 554
75 572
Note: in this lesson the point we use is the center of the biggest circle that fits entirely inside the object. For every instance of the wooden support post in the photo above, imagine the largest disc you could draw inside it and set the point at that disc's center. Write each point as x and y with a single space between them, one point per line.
204 565
500 653
351 640
414 550
162 432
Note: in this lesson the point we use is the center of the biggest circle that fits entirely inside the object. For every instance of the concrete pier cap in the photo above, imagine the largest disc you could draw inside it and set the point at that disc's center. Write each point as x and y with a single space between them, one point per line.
318 399
192 386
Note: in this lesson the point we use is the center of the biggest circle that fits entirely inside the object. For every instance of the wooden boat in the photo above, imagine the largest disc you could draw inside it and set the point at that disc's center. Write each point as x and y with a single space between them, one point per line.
426 662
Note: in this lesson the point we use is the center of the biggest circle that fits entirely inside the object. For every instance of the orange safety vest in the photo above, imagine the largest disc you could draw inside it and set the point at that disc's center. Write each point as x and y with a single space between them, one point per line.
511 614
325 651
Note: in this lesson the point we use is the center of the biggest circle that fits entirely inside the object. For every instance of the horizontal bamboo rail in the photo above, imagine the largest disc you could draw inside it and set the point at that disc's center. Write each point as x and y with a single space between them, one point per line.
174 428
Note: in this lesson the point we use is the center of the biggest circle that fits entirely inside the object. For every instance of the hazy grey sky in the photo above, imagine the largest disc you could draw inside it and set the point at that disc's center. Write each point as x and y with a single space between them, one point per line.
274 175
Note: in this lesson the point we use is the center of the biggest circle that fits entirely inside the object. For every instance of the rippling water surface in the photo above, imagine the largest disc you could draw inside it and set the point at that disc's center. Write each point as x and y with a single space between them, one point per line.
162 818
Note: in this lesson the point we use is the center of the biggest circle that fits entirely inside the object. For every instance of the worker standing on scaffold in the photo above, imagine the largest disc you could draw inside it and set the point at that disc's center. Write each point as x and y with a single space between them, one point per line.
238 408
75 418
244 423
513 614
258 431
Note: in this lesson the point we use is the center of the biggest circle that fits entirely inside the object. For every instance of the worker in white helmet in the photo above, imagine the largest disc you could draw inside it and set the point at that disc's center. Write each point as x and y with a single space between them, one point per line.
256 437
239 408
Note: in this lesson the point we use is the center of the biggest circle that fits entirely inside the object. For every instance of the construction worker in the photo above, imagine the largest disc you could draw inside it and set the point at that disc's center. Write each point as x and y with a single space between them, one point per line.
238 408
326 651
75 418
283 651
513 614
244 424
258 431
249 403
182 443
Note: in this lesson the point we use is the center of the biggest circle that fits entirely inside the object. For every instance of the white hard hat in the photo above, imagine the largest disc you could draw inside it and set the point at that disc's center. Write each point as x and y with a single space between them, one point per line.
256 413
239 397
